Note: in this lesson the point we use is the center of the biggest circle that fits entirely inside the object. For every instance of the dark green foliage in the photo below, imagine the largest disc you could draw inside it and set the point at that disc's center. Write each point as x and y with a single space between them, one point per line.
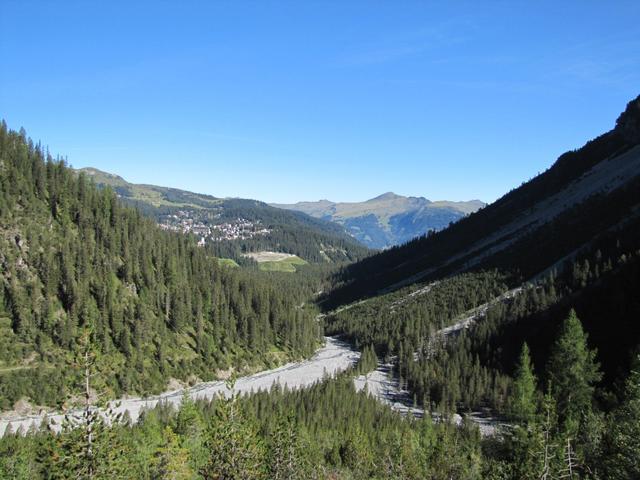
454 249
172 460
573 373
409 315
235 450
72 255
286 455
326 431
368 360
621 444
522 405
403 323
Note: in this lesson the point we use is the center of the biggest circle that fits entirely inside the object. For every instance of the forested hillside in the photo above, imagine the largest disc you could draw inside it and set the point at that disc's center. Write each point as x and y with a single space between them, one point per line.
73 258
527 309
566 239
532 317
314 240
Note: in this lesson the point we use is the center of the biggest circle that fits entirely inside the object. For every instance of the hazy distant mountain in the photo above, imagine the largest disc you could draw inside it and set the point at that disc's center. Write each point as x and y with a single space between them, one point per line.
388 219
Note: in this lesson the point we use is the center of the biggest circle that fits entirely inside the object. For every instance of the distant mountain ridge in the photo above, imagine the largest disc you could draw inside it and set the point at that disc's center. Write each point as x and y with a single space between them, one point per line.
388 219
313 239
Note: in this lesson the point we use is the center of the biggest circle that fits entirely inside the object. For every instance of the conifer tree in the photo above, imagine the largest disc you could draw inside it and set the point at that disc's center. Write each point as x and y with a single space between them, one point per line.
286 461
18 458
235 450
622 443
188 419
356 453
523 399
573 372
172 460
90 445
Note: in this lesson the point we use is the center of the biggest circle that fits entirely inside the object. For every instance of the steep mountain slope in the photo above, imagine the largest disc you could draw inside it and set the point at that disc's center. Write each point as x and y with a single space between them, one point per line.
510 273
586 193
235 226
73 259
388 219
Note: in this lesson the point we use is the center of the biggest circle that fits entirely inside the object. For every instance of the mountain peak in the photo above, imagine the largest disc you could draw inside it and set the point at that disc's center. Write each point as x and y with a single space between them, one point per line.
386 196
628 122
96 171
102 177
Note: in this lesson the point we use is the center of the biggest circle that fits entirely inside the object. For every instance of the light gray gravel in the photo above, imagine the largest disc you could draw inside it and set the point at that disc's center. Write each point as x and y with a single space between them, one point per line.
334 357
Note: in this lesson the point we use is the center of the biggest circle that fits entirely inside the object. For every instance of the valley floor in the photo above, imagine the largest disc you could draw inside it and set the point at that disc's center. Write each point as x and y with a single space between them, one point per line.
334 357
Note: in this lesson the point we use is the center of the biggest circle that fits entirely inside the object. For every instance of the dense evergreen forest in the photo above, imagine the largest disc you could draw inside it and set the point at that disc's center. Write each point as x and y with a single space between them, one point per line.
584 263
330 431
72 257
472 369
316 241
543 333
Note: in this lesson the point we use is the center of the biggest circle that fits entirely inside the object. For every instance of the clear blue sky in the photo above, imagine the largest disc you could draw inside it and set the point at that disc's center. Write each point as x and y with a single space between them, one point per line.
300 100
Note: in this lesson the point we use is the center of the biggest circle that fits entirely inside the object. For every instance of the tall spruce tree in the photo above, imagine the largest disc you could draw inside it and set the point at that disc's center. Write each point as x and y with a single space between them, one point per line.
172 460
522 405
236 452
573 373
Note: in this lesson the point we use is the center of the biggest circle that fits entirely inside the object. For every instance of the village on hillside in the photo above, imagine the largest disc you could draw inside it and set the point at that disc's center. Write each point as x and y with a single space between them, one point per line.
189 221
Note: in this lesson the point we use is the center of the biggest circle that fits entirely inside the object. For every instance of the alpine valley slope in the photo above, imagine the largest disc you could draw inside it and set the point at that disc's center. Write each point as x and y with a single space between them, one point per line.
388 219
586 194
312 239
75 261
569 239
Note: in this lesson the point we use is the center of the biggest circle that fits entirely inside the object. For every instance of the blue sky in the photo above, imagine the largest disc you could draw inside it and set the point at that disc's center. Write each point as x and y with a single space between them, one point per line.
287 101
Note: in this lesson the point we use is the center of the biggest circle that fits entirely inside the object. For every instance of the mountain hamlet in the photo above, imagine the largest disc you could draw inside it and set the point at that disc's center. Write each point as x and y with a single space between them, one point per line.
235 227
154 333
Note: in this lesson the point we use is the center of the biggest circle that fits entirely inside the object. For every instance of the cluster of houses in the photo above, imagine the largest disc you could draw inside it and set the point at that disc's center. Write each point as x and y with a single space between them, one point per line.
185 221
238 229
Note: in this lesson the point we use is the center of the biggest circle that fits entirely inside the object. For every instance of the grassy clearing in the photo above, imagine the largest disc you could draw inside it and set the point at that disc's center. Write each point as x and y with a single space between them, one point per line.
228 262
285 265
276 261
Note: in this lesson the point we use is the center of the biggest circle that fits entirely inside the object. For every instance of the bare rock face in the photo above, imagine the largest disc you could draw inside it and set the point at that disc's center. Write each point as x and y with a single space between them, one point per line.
628 123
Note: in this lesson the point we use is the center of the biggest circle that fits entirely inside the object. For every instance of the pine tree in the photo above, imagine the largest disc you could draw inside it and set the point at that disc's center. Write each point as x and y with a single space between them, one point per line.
90 445
356 453
573 372
188 420
285 458
75 449
235 450
171 460
523 399
18 458
368 360
622 442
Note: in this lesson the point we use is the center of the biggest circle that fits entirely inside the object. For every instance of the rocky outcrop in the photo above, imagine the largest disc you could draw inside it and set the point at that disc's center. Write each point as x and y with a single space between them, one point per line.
628 123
